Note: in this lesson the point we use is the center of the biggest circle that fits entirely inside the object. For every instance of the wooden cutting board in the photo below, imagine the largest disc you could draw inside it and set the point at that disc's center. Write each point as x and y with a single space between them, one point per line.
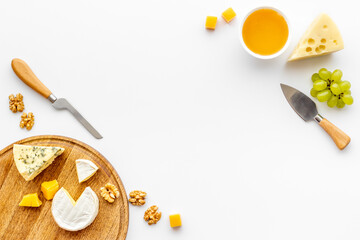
37 223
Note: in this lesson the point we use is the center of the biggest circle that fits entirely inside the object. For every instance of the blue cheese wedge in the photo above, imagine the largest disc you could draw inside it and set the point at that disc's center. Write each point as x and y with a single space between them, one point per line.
32 160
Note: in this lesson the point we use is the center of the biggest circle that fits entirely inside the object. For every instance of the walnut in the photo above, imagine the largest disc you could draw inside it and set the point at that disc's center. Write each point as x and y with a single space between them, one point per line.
27 120
152 216
16 103
109 192
106 195
137 198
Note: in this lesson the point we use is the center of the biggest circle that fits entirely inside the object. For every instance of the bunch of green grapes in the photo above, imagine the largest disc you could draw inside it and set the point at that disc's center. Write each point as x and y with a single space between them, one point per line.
328 86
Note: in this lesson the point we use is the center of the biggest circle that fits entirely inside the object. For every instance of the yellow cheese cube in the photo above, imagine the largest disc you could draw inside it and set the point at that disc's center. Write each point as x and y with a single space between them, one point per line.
210 22
49 189
30 200
175 220
228 15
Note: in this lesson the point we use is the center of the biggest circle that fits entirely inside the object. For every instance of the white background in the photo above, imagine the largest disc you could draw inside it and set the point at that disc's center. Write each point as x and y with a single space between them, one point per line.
188 116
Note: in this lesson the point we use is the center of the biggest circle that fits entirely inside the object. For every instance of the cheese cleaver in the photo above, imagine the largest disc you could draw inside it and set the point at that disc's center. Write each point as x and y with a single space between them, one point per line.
23 71
306 109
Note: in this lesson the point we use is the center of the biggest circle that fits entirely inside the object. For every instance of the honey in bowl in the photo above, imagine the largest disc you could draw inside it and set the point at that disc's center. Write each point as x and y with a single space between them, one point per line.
265 32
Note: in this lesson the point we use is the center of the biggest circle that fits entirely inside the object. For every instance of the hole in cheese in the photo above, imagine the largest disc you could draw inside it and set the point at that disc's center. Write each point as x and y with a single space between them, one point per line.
325 26
311 41
323 40
317 50
308 49
322 47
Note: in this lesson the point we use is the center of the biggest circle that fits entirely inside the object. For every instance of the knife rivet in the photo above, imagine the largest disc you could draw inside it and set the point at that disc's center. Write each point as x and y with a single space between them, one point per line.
318 118
52 98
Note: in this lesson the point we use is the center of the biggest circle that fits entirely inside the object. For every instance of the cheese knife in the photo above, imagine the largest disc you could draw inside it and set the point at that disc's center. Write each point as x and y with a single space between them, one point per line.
24 72
306 109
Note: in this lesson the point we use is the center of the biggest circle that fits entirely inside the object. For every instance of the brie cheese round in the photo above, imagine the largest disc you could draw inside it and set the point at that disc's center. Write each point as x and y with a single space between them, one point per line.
71 215
85 169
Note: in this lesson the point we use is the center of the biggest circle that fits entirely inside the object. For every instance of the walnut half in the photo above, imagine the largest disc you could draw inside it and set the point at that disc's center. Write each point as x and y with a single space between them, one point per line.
27 120
152 216
16 103
137 198
109 192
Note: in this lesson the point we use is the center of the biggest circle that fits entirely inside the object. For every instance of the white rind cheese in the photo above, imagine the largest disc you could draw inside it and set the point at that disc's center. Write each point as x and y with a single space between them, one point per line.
32 160
85 169
75 216
322 37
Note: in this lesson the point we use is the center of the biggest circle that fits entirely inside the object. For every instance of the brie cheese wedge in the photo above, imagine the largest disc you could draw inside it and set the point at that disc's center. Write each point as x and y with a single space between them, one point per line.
32 160
71 215
85 169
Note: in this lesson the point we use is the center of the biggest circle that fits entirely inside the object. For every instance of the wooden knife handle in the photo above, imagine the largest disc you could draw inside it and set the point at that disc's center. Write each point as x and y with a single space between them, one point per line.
24 72
340 138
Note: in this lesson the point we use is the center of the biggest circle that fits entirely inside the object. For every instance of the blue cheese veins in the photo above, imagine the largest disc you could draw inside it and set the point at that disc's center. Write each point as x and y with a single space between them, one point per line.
32 160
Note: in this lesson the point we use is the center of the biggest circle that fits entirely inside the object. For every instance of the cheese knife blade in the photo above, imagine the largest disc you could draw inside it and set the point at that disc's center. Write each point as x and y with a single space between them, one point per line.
62 103
302 104
24 72
306 109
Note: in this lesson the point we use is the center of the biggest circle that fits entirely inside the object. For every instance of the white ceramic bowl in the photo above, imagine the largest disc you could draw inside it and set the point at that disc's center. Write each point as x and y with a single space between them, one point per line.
265 56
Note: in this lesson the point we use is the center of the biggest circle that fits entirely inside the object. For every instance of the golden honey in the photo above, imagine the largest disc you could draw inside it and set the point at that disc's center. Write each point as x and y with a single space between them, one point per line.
265 32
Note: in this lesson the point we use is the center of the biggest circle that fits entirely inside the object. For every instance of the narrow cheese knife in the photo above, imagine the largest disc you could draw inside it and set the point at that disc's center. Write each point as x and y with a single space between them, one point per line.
306 109
23 71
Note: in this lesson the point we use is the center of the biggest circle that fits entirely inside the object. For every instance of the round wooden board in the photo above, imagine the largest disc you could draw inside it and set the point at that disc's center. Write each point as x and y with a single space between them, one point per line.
37 223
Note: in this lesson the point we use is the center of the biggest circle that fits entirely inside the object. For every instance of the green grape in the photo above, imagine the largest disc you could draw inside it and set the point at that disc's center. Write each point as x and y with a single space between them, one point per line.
315 77
313 92
322 70
340 103
319 85
328 86
324 95
324 74
335 88
336 75
345 85
348 99
332 101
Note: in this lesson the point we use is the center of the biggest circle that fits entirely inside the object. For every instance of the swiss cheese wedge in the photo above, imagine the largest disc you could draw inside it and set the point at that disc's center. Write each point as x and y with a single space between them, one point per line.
32 160
322 37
